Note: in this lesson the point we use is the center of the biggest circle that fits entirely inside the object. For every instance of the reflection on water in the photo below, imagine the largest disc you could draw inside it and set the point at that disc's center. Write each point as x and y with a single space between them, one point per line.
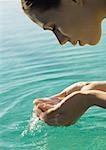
32 65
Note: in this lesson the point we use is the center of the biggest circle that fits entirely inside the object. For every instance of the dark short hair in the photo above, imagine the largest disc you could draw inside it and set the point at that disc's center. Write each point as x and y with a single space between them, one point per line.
43 5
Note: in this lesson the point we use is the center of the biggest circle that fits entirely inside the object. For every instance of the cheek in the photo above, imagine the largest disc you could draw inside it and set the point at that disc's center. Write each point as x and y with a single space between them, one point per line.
70 30
74 28
92 33
87 30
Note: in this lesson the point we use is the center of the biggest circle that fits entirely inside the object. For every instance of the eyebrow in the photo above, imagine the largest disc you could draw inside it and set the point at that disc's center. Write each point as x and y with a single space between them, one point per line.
43 5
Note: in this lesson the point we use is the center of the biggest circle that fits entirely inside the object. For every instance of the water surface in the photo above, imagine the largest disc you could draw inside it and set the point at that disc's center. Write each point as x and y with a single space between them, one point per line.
33 64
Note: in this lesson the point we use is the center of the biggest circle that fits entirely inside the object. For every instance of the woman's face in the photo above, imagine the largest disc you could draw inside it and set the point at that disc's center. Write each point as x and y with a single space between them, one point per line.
73 21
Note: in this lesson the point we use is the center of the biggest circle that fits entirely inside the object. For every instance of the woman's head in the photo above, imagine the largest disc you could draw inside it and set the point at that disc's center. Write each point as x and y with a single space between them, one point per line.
70 20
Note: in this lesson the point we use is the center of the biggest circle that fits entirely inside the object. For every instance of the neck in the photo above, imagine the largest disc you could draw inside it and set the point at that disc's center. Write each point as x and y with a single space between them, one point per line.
104 8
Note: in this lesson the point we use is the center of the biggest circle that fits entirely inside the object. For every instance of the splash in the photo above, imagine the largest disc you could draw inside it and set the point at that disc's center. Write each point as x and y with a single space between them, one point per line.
33 122
32 126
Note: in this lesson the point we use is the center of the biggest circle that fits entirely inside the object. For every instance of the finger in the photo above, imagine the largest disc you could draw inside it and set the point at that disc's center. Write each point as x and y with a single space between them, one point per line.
37 101
38 112
50 118
49 101
44 107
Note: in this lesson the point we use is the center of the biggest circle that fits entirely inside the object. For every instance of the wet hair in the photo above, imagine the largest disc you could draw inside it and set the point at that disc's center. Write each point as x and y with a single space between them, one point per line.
43 5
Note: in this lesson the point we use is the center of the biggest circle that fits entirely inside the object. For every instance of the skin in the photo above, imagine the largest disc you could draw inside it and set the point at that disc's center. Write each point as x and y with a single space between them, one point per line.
66 107
74 20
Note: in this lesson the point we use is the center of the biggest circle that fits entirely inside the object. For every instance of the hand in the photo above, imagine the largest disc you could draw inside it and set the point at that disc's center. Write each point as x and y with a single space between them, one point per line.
65 112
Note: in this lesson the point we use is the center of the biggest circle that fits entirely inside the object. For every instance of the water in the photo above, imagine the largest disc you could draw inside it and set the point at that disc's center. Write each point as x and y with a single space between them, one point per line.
33 64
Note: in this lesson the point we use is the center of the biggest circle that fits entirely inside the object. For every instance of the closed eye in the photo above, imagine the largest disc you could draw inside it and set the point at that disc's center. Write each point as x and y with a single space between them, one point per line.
49 26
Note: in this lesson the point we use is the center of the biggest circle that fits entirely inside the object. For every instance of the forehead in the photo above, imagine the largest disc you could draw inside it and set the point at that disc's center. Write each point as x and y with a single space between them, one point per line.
43 6
51 15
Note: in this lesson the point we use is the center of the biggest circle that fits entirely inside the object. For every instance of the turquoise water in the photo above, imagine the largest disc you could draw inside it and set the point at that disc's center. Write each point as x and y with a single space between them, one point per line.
33 64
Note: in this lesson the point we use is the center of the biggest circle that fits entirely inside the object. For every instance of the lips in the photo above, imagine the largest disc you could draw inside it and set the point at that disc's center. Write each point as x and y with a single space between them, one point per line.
81 43
74 42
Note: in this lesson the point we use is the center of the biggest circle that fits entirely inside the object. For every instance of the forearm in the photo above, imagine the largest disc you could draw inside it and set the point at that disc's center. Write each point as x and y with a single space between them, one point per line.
72 88
82 86
95 85
97 98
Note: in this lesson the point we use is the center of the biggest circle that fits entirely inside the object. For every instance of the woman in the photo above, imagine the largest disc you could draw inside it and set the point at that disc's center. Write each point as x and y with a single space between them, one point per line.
76 21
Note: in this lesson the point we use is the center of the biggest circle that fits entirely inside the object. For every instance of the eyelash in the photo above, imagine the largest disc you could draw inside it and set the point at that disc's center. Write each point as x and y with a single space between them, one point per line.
74 1
49 27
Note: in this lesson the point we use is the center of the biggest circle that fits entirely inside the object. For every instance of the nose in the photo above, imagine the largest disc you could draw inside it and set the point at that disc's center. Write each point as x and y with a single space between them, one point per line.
61 38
